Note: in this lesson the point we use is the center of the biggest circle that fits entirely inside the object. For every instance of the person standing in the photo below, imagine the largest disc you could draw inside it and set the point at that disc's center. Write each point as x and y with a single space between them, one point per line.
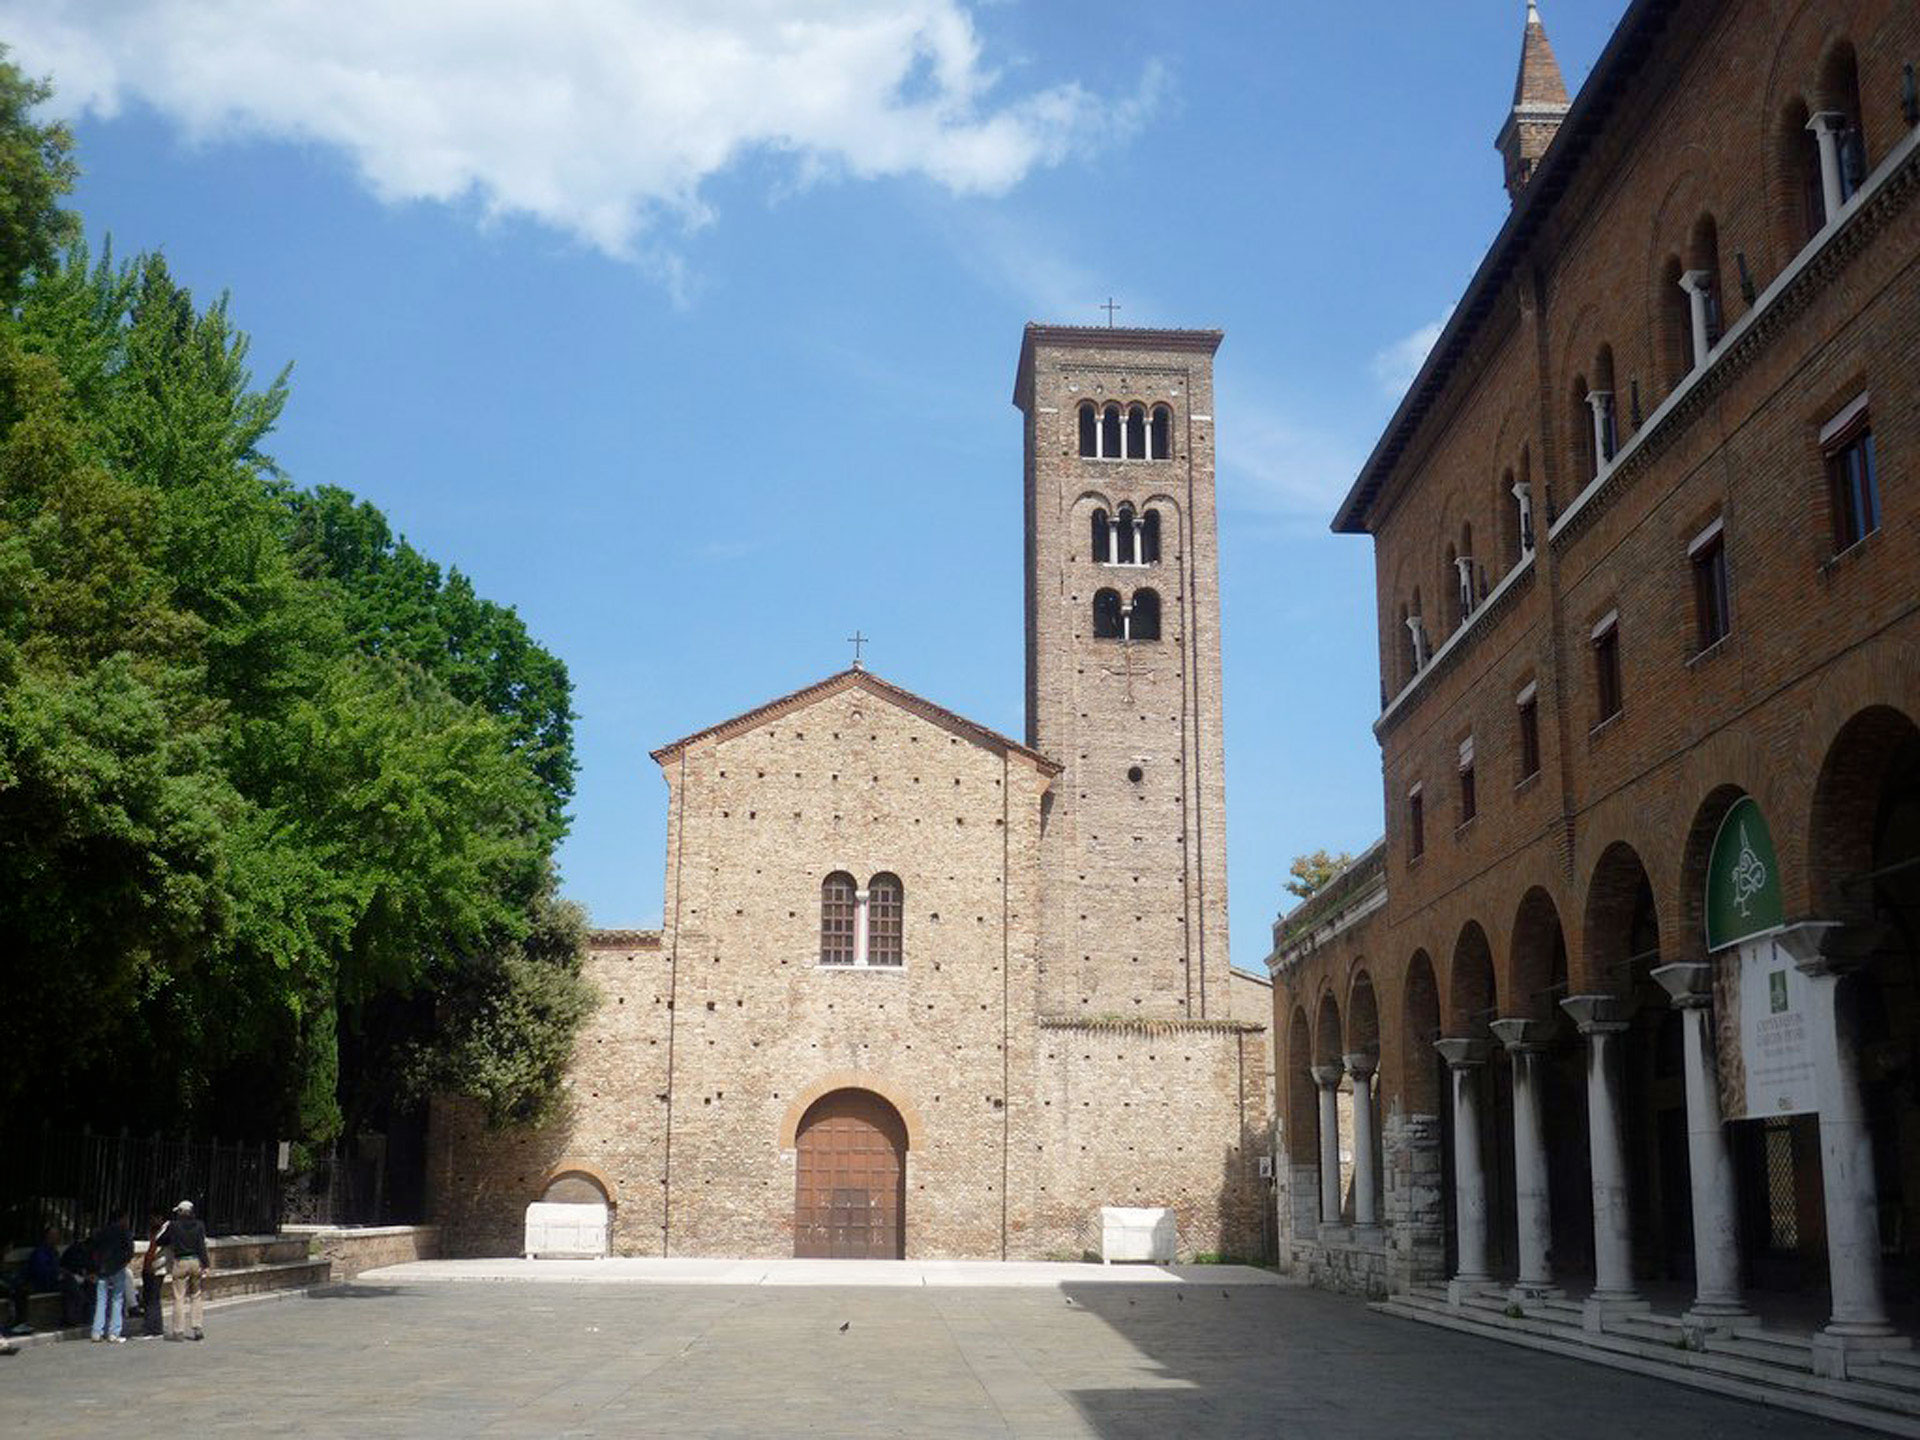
185 1239
112 1251
153 1271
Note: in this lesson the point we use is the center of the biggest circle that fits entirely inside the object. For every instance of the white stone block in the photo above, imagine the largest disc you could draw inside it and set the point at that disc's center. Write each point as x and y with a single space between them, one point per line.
1137 1233
566 1231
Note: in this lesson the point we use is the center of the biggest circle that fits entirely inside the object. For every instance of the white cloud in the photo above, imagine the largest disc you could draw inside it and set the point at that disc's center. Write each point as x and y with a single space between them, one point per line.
1395 366
1275 464
601 118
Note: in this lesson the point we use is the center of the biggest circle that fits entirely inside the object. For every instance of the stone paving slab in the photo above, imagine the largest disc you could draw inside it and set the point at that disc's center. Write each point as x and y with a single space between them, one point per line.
1102 1359
862 1274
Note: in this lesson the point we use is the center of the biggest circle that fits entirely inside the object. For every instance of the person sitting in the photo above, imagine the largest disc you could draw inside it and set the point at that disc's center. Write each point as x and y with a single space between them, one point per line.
38 1276
76 1282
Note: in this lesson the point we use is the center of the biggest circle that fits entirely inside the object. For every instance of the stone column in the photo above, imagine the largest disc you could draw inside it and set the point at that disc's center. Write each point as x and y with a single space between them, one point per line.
1522 497
1697 284
1716 1236
1603 1019
1139 555
1823 952
1526 1043
1366 1184
1827 127
1327 1077
1601 403
859 927
1465 1058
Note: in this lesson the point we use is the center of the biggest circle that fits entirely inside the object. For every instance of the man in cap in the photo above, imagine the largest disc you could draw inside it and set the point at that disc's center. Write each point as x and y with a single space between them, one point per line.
186 1241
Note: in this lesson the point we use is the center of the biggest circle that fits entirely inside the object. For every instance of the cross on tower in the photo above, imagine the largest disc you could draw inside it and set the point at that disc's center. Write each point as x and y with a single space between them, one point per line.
1110 307
857 640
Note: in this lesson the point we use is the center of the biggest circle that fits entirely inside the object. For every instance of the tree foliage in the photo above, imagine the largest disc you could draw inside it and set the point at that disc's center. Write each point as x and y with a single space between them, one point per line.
267 775
1312 871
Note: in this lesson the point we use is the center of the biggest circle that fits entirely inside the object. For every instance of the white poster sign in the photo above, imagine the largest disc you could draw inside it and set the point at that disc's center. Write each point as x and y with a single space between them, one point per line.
1776 1042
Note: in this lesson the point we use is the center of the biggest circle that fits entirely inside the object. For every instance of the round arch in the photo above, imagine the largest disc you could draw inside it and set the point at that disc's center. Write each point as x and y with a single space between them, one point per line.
851 1080
1472 996
578 1170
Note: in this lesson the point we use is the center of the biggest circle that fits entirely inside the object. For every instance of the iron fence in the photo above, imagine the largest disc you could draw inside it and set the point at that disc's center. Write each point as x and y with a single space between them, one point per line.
77 1182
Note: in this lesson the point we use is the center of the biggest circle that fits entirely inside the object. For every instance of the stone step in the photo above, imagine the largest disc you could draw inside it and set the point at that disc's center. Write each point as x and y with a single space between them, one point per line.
43 1311
1795 1351
1902 1378
1869 1402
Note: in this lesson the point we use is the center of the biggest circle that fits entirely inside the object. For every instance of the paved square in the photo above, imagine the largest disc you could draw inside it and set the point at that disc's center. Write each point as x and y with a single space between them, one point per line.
1101 1359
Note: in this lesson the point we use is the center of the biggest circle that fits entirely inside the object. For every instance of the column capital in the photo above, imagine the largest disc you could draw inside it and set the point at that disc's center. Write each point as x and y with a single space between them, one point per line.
1522 1036
1326 1076
1462 1053
1598 1014
1361 1066
1827 122
1688 983
1697 282
1829 947
1599 400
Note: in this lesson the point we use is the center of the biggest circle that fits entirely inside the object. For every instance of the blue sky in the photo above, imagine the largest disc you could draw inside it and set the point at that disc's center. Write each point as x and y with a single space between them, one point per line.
690 331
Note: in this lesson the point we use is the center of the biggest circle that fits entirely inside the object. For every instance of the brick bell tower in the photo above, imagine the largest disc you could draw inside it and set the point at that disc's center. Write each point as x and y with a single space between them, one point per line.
1123 669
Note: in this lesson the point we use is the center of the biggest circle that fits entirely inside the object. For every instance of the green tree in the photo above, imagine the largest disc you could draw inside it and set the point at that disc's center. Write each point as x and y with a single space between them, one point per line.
36 170
1312 871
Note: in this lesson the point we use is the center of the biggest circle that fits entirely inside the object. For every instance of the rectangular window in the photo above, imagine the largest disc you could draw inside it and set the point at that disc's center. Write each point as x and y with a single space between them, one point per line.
1416 824
1527 703
1469 796
1853 486
1708 554
1606 667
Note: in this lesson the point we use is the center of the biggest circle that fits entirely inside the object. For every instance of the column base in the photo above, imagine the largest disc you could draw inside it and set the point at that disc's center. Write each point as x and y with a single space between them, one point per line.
1461 1286
1597 1310
1716 1317
1522 1291
1831 1350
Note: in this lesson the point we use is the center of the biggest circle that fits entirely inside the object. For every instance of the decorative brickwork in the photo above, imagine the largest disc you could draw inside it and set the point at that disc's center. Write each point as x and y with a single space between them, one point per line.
1060 1031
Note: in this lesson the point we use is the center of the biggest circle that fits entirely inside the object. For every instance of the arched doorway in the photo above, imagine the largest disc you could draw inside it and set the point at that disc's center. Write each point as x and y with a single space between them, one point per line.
850 1183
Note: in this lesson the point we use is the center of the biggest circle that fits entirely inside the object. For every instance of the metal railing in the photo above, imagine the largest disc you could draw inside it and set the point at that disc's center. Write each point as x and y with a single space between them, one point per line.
77 1181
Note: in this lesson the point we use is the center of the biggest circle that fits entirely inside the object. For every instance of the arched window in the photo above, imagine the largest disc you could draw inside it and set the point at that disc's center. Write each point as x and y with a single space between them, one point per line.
1465 576
1840 101
1403 644
1161 440
1802 199
1150 538
885 908
836 919
1110 432
1124 547
1606 410
1136 432
1106 615
1102 538
1089 430
1676 323
1451 590
1703 288
1143 619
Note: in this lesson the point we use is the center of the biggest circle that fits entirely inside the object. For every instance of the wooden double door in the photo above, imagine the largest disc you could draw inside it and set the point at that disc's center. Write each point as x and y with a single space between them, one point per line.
850 1188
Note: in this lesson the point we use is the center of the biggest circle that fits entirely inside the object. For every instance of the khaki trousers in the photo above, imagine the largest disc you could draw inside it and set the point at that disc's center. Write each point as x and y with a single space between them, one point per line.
184 1281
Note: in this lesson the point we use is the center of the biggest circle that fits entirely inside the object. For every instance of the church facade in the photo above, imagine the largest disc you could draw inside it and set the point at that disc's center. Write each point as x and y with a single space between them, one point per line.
922 990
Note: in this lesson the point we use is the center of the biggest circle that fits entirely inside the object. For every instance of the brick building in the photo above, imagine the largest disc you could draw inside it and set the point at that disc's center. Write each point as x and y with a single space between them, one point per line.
923 989
1624 1007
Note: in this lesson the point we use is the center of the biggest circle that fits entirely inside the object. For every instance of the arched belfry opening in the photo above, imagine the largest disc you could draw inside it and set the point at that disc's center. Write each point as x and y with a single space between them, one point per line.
850 1179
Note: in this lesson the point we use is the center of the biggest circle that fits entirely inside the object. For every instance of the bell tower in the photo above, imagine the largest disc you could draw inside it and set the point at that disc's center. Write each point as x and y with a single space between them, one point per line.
1123 669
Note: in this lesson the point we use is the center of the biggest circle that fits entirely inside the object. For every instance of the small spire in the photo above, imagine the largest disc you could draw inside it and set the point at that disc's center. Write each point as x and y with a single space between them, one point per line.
1539 104
1539 81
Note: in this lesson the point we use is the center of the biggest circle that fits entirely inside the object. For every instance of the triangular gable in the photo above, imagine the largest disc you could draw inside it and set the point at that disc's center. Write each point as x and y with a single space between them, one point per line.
865 680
